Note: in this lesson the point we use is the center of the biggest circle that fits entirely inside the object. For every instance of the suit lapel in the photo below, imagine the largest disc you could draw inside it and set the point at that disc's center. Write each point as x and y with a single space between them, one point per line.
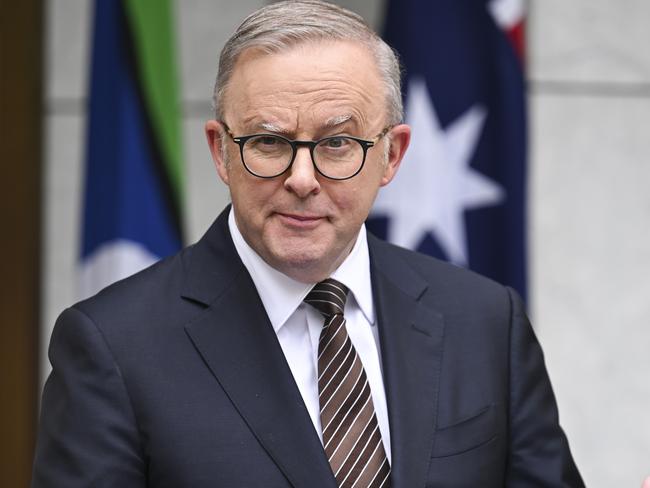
411 336
238 344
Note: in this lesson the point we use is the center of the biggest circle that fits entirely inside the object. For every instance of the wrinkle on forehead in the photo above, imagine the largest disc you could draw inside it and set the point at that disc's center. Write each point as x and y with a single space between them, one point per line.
295 90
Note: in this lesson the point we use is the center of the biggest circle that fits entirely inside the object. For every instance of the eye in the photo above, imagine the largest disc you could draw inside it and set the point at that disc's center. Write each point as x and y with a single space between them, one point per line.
336 143
267 141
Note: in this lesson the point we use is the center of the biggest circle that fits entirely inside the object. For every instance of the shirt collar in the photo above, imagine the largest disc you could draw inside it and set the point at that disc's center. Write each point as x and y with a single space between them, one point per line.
282 295
354 272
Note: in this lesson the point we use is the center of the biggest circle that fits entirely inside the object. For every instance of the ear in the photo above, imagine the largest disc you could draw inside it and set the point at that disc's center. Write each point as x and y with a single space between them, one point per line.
400 137
215 132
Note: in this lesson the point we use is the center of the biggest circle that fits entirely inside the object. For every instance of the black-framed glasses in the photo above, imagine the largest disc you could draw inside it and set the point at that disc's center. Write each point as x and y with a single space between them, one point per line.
334 157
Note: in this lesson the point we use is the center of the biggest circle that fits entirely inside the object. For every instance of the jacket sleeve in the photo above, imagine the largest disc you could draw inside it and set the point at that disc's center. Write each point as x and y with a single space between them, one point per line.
539 451
88 434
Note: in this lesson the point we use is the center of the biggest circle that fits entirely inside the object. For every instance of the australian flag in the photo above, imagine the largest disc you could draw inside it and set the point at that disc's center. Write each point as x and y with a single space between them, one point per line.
460 194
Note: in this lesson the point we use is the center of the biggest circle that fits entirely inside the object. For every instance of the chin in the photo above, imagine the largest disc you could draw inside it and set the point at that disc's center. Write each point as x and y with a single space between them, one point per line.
302 264
301 259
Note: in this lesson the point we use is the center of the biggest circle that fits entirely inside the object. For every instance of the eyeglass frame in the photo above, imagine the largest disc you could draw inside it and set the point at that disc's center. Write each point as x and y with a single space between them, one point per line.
295 144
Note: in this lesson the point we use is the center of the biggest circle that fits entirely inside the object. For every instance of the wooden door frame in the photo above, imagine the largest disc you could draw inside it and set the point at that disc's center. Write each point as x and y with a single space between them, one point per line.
21 134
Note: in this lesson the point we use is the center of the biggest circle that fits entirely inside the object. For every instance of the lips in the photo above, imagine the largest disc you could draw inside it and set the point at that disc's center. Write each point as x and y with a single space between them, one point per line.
304 221
301 217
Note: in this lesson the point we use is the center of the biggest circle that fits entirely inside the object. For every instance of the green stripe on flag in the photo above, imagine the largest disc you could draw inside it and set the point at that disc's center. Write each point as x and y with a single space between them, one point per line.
151 25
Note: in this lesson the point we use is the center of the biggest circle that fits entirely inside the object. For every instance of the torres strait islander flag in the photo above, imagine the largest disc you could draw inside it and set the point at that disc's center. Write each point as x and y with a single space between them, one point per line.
133 180
460 194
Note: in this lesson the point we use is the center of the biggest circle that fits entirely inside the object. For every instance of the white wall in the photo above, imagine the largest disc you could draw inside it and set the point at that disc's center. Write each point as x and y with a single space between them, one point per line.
589 67
590 108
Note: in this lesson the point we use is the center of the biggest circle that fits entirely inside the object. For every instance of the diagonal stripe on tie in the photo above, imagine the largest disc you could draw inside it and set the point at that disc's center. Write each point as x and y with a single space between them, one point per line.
351 435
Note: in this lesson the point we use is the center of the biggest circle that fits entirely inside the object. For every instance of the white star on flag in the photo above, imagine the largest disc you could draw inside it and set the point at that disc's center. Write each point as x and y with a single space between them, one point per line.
436 184
507 13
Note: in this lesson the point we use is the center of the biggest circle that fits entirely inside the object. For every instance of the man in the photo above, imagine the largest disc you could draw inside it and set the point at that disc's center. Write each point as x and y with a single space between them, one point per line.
288 348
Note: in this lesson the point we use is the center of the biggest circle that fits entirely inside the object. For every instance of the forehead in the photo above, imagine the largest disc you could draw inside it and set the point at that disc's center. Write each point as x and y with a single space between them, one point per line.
306 86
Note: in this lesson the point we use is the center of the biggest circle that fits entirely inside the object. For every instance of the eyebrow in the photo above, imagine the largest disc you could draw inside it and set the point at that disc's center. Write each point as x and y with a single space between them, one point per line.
270 127
337 120
329 123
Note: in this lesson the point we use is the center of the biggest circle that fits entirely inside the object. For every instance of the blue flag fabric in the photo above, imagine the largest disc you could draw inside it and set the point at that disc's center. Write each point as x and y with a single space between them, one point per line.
129 218
465 172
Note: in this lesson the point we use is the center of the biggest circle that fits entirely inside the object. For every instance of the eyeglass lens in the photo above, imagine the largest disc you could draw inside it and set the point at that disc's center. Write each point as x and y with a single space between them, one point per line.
335 157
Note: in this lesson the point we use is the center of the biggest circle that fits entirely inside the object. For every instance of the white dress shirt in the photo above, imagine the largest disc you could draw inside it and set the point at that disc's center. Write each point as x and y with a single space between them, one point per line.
298 325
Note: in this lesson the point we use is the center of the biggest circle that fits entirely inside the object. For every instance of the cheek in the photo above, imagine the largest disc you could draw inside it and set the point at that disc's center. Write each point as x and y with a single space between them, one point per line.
251 199
249 189
355 202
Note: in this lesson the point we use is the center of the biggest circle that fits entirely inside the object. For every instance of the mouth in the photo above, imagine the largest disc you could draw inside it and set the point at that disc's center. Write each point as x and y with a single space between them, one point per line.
301 221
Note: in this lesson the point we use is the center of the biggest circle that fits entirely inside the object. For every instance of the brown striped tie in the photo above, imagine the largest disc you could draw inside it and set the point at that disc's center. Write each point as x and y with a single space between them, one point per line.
351 434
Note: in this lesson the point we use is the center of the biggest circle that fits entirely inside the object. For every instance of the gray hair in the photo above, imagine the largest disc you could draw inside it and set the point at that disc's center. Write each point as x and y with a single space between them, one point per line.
282 25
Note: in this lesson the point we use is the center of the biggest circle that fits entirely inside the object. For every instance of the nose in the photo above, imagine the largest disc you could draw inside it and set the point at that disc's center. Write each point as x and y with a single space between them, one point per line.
301 179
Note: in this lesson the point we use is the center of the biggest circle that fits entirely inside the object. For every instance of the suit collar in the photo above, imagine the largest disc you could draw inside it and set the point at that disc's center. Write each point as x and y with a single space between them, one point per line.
234 337
210 265
411 336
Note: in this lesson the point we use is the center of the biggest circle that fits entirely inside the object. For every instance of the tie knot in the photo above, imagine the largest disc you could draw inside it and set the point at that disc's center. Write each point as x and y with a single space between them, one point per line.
328 297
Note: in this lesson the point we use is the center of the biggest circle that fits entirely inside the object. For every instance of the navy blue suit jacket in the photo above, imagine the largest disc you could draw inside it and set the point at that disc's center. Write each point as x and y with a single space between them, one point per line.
175 378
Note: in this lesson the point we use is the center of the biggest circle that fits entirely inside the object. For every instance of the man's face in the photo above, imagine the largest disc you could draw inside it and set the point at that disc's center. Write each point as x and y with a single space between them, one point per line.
300 222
